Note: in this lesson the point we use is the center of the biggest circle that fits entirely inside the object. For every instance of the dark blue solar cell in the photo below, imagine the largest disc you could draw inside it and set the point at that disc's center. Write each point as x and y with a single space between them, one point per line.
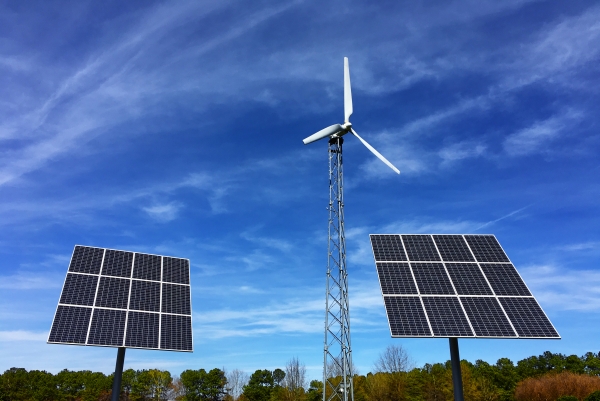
406 317
176 299
420 248
486 248
108 327
145 295
387 248
70 325
487 317
176 270
468 279
396 278
528 318
176 333
432 278
446 317
86 259
147 267
453 248
79 289
113 292
142 330
117 263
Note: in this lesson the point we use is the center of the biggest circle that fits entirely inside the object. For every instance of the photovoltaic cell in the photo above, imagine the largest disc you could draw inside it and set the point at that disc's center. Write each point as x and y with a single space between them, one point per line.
486 316
453 248
119 298
113 293
491 299
468 279
396 278
504 279
432 278
486 248
176 270
420 248
70 325
79 289
145 295
176 332
142 330
86 259
406 317
147 267
528 318
446 317
108 327
176 299
117 263
388 248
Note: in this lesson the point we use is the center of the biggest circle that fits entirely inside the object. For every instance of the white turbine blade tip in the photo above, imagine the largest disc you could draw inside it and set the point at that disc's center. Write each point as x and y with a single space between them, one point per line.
376 153
347 92
325 132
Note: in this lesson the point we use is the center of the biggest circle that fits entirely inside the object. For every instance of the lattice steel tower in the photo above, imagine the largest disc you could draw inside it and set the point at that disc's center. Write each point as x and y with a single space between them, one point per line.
337 360
337 364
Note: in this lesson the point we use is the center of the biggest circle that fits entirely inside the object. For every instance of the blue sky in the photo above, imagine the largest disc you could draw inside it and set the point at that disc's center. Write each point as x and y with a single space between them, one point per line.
176 128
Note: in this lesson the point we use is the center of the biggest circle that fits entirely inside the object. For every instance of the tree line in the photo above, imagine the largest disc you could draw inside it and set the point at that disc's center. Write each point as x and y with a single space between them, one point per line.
547 377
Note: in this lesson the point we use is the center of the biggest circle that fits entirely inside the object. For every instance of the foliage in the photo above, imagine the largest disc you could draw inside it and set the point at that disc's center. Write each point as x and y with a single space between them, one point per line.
260 386
199 385
555 385
547 377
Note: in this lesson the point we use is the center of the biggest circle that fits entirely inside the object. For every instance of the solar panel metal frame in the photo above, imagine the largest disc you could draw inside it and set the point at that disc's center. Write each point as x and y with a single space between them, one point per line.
65 313
405 260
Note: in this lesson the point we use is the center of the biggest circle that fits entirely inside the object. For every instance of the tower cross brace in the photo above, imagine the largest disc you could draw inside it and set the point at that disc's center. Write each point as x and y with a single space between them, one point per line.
337 360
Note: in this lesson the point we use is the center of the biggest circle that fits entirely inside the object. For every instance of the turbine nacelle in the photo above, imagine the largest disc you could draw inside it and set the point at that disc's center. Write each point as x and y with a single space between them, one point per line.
338 130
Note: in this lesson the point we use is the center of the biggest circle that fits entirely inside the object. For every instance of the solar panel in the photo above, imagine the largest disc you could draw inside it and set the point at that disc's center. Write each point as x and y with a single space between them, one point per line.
124 299
454 286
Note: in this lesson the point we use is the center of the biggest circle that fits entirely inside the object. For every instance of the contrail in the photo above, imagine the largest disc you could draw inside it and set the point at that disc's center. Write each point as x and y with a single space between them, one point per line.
503 217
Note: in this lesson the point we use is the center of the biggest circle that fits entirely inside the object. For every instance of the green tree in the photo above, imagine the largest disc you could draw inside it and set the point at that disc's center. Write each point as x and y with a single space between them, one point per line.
259 386
198 385
595 396
315 391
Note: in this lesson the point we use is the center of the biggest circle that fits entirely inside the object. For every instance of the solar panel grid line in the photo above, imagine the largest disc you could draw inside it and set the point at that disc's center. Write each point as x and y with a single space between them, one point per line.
60 296
404 249
482 272
412 273
489 284
453 287
87 337
507 317
432 333
129 298
160 303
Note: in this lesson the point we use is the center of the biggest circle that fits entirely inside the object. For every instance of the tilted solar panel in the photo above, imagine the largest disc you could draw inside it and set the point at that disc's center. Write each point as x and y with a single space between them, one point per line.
124 299
455 286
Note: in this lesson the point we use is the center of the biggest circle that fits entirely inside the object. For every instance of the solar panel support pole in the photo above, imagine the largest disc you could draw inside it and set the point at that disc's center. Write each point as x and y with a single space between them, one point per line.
337 364
456 374
116 388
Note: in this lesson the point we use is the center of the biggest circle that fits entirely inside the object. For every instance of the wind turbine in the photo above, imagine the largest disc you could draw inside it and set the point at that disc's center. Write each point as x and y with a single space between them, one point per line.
337 354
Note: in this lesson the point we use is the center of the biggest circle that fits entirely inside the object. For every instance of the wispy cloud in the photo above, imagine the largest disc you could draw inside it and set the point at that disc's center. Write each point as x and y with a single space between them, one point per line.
22 335
288 316
163 213
32 280
564 289
538 136
582 246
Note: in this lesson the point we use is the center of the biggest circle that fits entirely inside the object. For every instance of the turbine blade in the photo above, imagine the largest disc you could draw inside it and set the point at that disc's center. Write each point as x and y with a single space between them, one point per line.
376 153
325 132
347 92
